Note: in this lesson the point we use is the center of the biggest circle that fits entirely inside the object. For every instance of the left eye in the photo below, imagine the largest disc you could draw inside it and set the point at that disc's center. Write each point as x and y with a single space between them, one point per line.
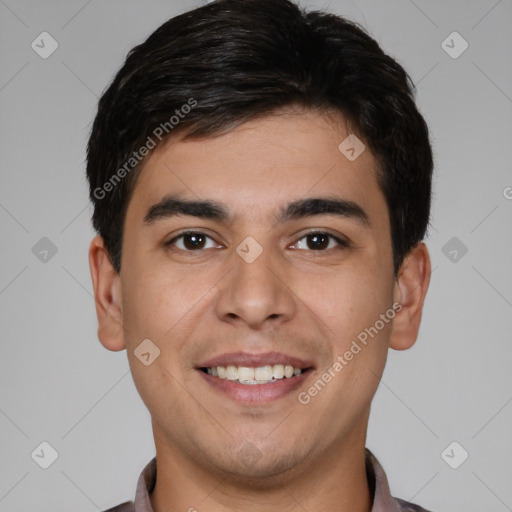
320 242
192 242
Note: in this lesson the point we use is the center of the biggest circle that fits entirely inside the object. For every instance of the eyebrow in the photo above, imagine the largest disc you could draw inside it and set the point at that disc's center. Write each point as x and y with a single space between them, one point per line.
171 206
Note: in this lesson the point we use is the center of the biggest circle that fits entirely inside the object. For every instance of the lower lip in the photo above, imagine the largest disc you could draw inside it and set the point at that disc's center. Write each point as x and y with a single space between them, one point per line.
256 393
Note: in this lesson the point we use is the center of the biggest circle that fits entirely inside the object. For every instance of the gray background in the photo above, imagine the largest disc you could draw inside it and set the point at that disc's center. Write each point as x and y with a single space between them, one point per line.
58 384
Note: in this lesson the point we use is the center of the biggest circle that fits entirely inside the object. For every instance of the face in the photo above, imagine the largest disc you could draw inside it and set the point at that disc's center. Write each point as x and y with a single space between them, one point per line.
244 254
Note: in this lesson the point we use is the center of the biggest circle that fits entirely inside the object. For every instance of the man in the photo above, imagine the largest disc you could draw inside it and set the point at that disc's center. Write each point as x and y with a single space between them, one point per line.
261 183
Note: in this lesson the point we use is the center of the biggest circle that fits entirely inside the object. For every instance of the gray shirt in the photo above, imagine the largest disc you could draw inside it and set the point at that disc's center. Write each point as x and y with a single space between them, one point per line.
377 481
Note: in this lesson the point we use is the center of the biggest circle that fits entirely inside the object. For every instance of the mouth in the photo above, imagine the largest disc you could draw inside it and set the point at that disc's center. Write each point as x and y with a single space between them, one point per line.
255 378
260 375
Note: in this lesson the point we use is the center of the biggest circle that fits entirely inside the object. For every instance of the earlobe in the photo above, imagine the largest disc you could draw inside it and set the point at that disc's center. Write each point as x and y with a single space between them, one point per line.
410 290
107 296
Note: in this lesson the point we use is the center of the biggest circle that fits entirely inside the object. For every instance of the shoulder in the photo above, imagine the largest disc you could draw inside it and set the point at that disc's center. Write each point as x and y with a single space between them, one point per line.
405 506
128 506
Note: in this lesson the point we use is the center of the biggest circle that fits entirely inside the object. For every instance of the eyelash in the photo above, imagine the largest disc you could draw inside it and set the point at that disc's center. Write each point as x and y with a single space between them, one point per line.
342 244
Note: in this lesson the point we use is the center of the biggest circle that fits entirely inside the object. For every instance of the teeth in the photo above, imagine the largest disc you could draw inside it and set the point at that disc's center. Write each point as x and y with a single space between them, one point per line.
278 371
245 374
232 373
260 375
263 373
288 371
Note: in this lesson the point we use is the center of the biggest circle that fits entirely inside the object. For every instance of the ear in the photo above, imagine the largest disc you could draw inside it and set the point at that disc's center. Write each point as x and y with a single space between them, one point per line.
107 295
410 289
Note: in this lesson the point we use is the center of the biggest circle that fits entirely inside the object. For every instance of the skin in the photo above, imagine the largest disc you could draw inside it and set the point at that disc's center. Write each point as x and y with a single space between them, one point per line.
293 298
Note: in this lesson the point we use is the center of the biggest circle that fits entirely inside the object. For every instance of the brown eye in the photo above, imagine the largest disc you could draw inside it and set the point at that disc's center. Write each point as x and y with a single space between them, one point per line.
320 242
192 241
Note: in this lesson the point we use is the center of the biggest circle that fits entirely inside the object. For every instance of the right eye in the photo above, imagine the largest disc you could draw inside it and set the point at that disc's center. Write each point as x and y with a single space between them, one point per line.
191 241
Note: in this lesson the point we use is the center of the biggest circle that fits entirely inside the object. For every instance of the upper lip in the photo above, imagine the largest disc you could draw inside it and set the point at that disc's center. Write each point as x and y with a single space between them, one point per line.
255 360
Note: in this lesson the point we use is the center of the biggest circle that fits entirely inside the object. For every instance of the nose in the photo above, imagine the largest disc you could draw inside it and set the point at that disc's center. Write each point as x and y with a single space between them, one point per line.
255 294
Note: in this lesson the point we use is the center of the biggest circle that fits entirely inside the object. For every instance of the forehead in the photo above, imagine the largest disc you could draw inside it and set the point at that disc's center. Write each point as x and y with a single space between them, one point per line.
263 163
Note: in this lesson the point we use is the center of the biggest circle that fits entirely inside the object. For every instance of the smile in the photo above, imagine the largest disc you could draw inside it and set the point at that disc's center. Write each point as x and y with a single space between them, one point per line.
256 379
266 374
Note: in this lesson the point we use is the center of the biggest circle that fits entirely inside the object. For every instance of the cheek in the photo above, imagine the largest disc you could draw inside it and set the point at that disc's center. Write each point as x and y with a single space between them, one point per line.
351 300
158 301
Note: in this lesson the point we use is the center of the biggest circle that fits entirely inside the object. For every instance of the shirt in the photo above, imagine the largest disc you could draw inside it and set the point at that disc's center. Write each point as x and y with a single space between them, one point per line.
377 481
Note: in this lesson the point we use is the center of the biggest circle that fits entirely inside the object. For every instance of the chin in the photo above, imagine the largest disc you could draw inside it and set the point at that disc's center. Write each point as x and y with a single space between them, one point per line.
261 468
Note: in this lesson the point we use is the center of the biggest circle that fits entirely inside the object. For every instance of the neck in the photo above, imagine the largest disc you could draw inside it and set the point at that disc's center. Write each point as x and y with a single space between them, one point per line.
335 480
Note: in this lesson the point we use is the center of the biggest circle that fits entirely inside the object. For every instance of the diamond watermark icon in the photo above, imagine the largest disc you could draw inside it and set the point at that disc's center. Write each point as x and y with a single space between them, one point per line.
44 455
44 45
352 147
454 45
249 454
44 250
454 250
249 249
146 352
454 455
